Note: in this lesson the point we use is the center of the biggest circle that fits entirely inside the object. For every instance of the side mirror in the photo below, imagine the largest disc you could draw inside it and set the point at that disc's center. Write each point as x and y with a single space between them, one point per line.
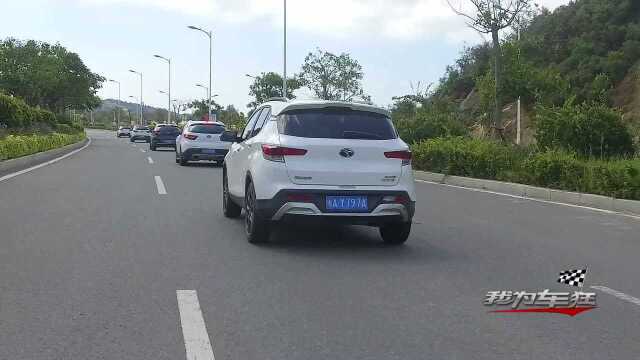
229 136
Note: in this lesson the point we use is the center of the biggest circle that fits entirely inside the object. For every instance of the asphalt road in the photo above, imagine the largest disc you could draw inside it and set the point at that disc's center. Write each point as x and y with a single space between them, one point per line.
91 257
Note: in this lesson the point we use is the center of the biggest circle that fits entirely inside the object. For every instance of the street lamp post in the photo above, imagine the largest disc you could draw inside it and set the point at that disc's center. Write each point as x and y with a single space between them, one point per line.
210 35
284 77
136 100
119 101
141 108
168 60
169 108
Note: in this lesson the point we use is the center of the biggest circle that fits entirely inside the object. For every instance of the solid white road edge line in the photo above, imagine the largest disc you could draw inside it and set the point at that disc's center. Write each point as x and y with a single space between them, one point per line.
194 330
150 159
160 185
534 199
24 171
618 294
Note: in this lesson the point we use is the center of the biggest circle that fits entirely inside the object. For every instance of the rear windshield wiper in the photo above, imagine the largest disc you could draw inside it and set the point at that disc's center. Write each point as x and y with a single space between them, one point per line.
360 135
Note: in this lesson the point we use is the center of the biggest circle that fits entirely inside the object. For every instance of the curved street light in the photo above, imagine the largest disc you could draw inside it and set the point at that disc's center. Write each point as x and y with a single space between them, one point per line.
209 33
168 60
141 109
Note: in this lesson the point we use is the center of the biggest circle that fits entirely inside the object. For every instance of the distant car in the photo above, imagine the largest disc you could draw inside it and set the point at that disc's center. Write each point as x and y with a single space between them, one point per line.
200 140
140 133
164 136
123 131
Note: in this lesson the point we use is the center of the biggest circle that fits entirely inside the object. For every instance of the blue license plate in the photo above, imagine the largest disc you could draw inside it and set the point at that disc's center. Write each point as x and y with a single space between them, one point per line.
209 151
347 203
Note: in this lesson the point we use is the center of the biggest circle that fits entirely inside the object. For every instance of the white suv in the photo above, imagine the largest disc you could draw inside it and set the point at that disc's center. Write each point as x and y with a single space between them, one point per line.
200 140
319 160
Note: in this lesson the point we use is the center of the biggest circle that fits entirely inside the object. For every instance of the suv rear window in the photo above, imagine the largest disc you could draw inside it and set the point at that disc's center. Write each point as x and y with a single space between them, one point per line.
206 128
336 123
165 130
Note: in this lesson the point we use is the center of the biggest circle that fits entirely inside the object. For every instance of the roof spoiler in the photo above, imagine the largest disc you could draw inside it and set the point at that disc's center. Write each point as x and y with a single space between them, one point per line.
278 99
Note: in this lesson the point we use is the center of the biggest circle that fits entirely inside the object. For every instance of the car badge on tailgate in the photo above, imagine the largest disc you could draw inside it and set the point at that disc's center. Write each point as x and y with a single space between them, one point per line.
346 152
208 136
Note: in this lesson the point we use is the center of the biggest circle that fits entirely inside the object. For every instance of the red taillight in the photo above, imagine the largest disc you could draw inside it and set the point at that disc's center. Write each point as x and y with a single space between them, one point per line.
404 155
300 198
190 136
396 199
277 153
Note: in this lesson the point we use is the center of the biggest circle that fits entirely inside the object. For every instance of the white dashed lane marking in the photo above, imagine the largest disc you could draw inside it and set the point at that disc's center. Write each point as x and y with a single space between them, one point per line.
194 329
150 159
160 185
618 294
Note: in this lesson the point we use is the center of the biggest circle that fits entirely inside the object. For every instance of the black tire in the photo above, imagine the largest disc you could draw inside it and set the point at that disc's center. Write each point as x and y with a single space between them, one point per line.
183 160
229 208
131 140
395 233
256 227
152 147
177 158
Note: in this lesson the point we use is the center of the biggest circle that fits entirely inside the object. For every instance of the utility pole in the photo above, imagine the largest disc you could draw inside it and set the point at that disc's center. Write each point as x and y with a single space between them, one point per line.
141 105
119 102
518 111
284 77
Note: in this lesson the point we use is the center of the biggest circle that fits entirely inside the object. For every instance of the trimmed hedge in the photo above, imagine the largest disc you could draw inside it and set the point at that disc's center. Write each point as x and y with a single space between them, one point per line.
486 159
15 114
14 146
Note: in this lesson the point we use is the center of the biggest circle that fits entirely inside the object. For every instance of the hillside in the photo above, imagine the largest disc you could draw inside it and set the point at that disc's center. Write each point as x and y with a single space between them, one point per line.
109 105
561 57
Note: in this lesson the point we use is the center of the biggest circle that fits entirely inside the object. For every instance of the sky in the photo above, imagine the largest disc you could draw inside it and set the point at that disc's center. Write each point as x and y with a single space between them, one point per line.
399 43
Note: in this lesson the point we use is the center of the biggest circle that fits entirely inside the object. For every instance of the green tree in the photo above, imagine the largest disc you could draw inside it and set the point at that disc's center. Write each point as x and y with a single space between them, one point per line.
489 17
47 75
333 77
589 129
201 108
232 118
269 85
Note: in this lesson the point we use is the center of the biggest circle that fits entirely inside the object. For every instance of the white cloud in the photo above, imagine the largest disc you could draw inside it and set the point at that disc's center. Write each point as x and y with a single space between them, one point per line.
395 19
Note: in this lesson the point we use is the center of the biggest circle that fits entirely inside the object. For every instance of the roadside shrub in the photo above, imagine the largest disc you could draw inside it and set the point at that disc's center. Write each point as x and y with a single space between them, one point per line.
591 130
16 114
554 169
14 146
619 179
478 158
65 129
436 119
557 169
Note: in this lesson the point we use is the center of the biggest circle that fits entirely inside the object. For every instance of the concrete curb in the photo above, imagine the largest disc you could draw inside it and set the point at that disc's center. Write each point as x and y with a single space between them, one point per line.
532 192
25 162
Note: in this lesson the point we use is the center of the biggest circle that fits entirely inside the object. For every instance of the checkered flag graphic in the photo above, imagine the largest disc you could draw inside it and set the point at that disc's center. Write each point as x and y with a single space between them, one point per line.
573 277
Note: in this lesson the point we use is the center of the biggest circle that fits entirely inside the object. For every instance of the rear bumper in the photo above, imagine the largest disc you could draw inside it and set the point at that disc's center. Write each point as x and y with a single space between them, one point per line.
281 209
200 154
144 137
161 142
